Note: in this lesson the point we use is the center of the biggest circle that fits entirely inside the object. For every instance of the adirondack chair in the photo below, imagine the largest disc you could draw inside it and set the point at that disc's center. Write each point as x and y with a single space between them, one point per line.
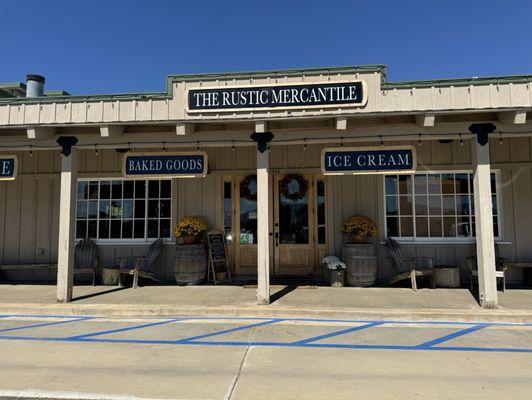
407 268
500 269
143 266
86 258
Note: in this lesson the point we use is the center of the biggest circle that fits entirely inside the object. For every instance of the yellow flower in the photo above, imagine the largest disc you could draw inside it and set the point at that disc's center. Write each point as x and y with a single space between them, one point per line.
359 225
190 226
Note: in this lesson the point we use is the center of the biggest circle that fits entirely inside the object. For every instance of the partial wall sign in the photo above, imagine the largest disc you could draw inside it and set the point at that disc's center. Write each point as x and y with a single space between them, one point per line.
8 168
301 95
368 160
165 165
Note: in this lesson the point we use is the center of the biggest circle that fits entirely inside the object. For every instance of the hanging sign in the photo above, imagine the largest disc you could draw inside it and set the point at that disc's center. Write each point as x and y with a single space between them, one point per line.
301 95
165 165
8 168
368 160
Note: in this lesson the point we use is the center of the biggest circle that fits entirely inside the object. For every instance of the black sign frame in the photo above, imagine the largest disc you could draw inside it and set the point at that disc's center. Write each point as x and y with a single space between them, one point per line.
14 160
369 171
201 174
215 262
363 91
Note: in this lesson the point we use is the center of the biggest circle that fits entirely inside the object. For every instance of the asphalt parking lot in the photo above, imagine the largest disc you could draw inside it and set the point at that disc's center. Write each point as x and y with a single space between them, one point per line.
207 357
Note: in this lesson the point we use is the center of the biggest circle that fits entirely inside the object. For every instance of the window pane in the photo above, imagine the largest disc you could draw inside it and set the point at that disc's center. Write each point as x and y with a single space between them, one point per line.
422 226
93 209
140 189
103 229
228 213
153 189
153 208
127 229
407 229
116 209
115 229
447 183
164 228
449 226
405 184
462 183
493 185
166 189
153 228
138 229
164 209
391 184
494 204
140 208
127 211
495 227
422 207
105 205
405 203
116 190
449 207
93 229
81 229
93 190
81 211
435 227
320 200
248 211
462 205
105 190
128 189
392 226
420 184
83 190
463 228
391 205
434 182
293 216
435 205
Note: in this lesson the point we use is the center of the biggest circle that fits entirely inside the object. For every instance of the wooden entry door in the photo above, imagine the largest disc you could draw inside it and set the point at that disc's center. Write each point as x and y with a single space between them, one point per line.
293 225
245 225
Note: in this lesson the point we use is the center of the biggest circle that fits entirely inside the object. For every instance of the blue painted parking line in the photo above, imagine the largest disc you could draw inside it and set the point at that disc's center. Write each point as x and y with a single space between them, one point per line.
338 333
222 332
18 328
125 329
453 335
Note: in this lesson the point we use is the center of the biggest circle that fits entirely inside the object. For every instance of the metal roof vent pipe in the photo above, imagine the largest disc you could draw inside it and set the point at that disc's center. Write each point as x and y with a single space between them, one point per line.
34 85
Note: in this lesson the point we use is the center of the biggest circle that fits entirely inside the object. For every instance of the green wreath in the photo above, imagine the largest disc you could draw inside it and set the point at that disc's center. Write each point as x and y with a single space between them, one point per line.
297 194
245 188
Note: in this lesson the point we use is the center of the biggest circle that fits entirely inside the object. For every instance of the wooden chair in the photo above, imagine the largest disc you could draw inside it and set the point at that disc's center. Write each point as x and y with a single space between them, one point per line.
144 266
86 258
407 268
500 269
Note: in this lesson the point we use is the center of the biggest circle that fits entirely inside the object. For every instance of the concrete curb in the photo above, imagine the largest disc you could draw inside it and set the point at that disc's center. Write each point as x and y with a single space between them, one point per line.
273 311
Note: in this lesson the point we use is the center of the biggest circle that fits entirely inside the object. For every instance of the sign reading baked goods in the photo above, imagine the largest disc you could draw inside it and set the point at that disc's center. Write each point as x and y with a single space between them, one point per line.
165 165
301 95
368 160
8 168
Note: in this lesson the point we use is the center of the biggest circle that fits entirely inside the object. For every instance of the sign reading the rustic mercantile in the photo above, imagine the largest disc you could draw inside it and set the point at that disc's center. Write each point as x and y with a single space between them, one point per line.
165 165
8 168
302 95
368 160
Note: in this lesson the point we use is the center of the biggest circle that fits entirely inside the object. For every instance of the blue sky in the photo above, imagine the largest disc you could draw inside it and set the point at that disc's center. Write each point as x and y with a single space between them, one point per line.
96 46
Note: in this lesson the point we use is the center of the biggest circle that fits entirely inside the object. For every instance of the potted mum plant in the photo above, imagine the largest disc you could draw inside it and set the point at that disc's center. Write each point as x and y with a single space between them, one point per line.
360 228
190 229
336 270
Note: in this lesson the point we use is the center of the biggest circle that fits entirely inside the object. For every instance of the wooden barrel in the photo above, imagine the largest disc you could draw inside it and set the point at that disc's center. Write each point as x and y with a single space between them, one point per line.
190 264
361 262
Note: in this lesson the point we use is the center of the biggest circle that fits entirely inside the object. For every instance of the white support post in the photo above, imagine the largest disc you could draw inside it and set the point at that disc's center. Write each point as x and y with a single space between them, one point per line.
67 221
487 280
263 228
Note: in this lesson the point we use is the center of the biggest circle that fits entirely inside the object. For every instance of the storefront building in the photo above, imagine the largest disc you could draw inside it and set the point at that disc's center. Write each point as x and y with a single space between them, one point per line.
443 166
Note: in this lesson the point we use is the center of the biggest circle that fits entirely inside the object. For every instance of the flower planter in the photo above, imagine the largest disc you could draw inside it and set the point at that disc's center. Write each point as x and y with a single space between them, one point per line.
337 277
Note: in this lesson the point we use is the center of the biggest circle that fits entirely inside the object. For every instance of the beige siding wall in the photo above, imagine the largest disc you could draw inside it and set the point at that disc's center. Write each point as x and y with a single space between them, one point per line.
29 206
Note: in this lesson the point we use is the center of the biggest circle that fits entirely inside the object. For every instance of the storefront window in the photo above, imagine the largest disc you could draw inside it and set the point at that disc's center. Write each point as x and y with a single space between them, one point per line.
248 210
120 209
293 210
320 204
228 212
433 205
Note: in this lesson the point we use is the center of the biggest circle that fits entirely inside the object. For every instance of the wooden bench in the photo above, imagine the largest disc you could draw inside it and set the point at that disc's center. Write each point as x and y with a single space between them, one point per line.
520 264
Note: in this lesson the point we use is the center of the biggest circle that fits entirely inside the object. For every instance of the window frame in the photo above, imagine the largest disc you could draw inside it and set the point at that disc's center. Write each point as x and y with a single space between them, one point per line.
444 240
121 241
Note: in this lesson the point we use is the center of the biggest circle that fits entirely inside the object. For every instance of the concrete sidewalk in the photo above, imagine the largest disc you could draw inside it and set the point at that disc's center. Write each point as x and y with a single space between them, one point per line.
302 301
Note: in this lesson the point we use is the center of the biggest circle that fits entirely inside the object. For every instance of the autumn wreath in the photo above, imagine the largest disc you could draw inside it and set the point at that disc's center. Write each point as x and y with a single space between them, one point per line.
245 188
286 189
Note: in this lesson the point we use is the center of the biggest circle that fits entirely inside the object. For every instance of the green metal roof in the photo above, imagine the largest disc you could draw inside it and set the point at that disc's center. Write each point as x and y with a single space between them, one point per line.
61 96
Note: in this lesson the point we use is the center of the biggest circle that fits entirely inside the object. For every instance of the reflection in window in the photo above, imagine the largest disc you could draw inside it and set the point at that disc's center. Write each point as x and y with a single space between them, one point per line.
228 229
320 204
248 210
117 209
293 213
433 205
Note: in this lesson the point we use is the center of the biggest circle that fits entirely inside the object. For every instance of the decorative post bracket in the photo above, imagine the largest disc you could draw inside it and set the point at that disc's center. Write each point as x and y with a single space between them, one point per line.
262 140
482 131
66 143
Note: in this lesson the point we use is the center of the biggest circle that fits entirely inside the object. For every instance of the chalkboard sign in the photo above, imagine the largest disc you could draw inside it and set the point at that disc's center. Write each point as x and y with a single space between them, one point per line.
219 267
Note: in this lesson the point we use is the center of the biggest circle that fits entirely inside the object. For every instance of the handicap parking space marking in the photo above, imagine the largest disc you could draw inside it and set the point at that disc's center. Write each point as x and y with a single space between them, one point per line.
38 325
339 333
453 335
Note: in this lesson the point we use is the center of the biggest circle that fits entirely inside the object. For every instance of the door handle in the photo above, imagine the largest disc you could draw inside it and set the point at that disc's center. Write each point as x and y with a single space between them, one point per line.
276 236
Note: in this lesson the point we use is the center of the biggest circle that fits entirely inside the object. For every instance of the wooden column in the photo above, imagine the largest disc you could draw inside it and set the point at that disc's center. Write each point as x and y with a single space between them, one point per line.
67 220
263 219
487 280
